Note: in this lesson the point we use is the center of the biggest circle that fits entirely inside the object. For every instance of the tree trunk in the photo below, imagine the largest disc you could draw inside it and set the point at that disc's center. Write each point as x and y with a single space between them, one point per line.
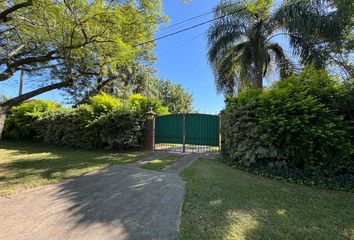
258 81
19 99
3 113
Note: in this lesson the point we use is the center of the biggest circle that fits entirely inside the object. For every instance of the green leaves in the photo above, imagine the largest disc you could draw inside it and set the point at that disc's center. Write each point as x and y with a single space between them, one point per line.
300 120
143 104
75 41
240 50
103 103
20 123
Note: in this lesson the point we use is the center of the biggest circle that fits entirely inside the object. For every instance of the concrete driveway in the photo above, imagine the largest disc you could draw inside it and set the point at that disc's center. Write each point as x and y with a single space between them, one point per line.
120 202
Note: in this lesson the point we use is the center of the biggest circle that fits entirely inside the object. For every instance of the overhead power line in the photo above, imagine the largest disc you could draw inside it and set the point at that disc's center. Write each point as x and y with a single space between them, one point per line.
184 21
186 29
196 17
174 33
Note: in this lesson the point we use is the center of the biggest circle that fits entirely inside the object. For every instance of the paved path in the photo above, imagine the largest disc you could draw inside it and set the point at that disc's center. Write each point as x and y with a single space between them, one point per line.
120 202
182 163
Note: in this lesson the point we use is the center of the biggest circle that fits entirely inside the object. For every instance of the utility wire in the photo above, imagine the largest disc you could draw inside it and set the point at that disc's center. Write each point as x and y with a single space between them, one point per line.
184 21
196 17
179 44
186 29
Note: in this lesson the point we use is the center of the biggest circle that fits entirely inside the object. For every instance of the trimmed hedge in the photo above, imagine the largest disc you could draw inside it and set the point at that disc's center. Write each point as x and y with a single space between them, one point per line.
103 123
79 129
303 123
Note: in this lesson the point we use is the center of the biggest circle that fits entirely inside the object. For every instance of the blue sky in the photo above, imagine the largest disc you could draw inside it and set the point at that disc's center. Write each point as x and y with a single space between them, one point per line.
181 58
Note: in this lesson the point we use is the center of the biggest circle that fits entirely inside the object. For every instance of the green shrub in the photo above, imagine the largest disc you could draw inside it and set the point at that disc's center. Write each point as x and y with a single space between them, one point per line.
242 141
103 103
79 128
67 127
299 122
138 102
119 129
103 123
20 122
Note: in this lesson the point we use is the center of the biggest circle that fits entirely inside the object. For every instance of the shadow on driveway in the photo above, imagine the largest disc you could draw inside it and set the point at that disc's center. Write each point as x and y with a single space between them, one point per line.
120 202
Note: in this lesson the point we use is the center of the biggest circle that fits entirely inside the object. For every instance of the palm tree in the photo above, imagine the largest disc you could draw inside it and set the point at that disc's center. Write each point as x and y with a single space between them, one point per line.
242 46
320 31
241 49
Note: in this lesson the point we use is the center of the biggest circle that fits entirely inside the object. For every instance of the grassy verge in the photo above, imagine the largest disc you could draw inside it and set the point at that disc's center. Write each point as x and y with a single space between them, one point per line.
26 165
161 163
225 203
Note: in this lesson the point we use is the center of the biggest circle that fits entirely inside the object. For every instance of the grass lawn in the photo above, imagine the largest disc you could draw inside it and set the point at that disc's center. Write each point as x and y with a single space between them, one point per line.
162 162
26 165
225 203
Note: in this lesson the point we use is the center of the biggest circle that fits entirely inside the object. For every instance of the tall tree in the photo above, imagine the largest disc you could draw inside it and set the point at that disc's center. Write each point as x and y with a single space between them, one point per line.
320 31
137 78
241 46
175 97
72 40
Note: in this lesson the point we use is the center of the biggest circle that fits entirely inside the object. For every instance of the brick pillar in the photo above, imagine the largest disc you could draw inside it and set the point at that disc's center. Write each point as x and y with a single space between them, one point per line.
149 132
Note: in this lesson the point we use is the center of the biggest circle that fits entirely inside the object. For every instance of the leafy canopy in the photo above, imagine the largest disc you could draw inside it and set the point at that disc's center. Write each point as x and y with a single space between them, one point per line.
72 42
243 46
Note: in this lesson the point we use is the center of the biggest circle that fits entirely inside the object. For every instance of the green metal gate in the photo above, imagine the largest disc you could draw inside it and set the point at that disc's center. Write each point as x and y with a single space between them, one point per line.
187 132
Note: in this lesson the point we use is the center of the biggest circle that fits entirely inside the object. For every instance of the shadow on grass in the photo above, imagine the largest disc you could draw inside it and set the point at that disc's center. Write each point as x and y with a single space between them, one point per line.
224 203
26 165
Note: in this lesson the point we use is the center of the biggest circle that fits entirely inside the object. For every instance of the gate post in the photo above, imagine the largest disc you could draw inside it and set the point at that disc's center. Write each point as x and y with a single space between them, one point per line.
149 132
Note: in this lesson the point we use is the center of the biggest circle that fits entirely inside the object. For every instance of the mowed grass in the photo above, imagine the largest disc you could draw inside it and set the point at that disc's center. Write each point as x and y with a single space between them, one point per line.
162 162
27 165
225 203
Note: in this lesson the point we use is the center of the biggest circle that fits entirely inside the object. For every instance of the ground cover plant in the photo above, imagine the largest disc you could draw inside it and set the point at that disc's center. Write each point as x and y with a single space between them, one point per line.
225 203
27 165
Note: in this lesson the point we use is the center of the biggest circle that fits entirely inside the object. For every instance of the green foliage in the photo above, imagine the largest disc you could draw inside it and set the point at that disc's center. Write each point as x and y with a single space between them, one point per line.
140 79
79 128
104 123
243 48
241 52
300 122
143 104
20 122
174 97
66 127
296 118
103 103
120 129
77 44
241 137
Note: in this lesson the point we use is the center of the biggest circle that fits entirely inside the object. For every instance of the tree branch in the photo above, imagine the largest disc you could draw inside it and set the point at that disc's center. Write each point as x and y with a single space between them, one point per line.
4 14
17 100
13 67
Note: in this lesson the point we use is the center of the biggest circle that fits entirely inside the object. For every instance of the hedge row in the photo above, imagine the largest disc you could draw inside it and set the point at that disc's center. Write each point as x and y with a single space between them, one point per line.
303 123
105 122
